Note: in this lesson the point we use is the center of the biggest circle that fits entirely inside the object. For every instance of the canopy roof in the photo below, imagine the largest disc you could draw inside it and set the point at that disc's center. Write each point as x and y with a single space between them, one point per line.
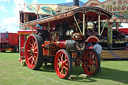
90 12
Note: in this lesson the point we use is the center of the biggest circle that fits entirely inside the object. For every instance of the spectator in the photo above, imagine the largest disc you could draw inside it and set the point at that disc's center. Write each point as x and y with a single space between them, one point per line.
98 48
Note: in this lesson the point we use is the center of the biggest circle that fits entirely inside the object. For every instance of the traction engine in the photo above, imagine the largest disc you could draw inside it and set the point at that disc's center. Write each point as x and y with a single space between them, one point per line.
65 41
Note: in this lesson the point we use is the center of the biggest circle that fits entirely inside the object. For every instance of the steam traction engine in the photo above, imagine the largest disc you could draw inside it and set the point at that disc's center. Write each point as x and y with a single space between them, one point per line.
64 38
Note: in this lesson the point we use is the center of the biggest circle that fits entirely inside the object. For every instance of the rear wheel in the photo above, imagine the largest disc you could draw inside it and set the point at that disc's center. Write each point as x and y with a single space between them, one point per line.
33 52
63 64
91 62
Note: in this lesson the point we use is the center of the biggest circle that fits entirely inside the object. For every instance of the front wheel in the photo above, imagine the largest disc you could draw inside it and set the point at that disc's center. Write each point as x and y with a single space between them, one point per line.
91 62
63 64
33 52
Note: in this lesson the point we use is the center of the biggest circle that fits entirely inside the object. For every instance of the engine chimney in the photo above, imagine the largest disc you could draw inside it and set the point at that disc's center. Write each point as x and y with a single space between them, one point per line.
76 3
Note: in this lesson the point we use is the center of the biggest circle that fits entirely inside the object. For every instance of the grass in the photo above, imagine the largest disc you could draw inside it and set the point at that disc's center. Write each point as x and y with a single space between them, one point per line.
12 73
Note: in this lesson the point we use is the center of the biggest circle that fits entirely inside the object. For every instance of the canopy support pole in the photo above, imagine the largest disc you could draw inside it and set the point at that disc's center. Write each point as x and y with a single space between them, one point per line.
103 28
77 24
99 24
117 26
110 35
83 24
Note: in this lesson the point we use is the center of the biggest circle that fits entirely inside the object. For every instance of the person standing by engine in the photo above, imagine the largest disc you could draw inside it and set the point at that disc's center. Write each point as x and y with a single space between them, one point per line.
98 48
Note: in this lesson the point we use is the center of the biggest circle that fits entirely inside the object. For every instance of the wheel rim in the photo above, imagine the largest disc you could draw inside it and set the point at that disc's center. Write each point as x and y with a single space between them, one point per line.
61 64
31 52
89 62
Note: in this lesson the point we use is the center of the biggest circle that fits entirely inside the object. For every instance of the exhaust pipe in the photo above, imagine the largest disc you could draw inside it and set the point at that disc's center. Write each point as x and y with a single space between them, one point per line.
76 3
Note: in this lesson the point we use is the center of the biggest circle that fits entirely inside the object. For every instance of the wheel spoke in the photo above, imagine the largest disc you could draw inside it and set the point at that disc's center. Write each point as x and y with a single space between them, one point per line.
62 57
32 63
34 44
86 57
31 44
30 58
91 69
66 68
35 52
59 60
87 67
66 71
62 72
35 48
35 60
35 57
90 55
93 56
28 50
93 62
58 66
65 58
65 61
66 64
33 40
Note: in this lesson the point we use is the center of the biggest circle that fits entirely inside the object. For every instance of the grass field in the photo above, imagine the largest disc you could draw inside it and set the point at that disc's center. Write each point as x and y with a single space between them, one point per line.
12 73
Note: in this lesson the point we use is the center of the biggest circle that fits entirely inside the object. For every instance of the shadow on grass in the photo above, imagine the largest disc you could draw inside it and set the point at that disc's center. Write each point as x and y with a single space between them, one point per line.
47 68
76 75
106 74
113 74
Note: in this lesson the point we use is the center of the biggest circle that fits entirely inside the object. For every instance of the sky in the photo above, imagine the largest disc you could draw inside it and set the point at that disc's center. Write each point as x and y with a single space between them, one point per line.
9 12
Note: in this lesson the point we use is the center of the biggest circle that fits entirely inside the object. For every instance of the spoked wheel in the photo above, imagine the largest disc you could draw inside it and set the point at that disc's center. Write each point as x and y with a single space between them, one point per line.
91 62
63 64
33 52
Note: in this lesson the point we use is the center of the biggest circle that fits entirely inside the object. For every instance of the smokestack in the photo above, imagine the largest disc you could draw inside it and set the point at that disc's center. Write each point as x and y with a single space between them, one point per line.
76 3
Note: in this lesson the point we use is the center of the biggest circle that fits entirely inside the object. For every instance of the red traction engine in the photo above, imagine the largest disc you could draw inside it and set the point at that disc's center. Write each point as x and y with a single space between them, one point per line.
67 43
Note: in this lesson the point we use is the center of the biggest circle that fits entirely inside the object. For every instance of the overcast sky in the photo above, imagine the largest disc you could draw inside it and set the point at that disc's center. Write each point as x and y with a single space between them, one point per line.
9 12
